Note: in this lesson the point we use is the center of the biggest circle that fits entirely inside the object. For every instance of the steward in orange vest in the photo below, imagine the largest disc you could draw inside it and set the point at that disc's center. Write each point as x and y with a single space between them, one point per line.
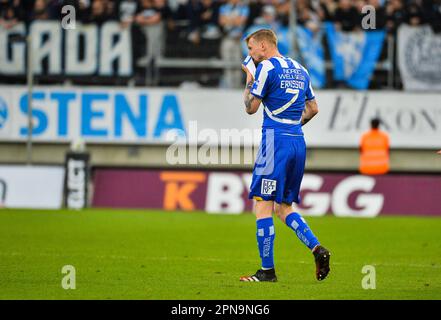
374 150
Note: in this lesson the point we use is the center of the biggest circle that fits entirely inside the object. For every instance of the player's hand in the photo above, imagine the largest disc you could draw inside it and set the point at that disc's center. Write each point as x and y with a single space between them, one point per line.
247 72
244 69
439 152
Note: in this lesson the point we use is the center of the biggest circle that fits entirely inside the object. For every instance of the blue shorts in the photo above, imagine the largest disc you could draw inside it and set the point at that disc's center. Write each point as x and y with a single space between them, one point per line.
279 168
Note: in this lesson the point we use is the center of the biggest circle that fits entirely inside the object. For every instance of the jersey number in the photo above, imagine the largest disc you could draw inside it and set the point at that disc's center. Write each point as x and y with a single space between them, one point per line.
295 93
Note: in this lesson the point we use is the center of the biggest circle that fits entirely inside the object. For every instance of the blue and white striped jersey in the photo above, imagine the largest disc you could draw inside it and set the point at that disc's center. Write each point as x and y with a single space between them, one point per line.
283 85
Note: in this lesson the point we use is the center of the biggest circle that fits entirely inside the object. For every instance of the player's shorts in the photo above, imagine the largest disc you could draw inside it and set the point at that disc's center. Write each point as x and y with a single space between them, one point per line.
279 168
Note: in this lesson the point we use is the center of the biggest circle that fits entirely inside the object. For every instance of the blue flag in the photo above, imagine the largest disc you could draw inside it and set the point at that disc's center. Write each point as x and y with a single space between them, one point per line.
354 54
283 36
312 53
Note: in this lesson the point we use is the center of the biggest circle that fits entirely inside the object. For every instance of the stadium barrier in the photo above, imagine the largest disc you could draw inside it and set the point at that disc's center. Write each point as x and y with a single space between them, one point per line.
345 195
215 191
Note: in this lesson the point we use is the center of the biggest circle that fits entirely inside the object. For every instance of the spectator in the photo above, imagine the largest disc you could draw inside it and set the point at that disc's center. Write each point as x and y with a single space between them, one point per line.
232 18
149 19
193 10
54 9
40 12
126 10
9 14
82 9
359 4
395 15
180 12
432 10
204 16
255 7
414 14
326 9
283 9
24 10
307 17
209 19
110 9
99 11
148 14
380 14
374 150
166 13
346 16
268 20
89 11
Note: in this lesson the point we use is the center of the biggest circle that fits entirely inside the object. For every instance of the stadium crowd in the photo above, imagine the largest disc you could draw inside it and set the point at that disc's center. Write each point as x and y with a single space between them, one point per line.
231 17
207 28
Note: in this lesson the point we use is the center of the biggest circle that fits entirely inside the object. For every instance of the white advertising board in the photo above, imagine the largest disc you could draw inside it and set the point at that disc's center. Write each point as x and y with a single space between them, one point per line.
36 187
121 115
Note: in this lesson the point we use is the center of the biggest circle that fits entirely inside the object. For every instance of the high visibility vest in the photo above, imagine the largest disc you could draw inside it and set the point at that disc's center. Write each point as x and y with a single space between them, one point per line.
374 152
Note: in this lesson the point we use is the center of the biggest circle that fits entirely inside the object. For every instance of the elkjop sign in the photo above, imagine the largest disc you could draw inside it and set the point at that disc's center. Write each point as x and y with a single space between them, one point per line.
343 195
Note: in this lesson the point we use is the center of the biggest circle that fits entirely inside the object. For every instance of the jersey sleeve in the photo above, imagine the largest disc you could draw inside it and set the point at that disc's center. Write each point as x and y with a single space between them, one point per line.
309 93
262 80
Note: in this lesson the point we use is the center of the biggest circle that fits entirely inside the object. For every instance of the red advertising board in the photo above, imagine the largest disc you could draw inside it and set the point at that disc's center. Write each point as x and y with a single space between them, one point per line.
227 192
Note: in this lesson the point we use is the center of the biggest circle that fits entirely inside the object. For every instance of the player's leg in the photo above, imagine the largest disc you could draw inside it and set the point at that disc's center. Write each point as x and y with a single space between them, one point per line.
298 224
265 232
264 189
294 176
295 169
300 227
265 242
294 220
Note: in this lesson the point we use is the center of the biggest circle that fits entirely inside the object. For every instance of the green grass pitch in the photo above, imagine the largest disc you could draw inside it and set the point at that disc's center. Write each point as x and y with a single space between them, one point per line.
134 254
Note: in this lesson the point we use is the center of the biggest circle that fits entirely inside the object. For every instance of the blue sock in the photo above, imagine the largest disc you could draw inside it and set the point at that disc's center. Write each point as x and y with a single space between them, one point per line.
265 240
296 222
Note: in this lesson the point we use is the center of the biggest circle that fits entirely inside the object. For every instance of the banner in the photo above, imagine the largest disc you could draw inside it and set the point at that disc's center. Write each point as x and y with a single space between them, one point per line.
35 187
209 116
311 49
76 180
354 54
312 53
87 50
343 195
419 58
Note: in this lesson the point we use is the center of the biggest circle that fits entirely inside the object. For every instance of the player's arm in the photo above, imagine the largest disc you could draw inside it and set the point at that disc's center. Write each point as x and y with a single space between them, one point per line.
311 109
251 102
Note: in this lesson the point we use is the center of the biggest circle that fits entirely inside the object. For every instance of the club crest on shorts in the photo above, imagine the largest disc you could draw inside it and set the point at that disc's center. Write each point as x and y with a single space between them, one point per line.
268 186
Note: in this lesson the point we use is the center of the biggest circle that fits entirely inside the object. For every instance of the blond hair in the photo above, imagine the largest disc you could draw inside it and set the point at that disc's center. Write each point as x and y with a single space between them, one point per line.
267 35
